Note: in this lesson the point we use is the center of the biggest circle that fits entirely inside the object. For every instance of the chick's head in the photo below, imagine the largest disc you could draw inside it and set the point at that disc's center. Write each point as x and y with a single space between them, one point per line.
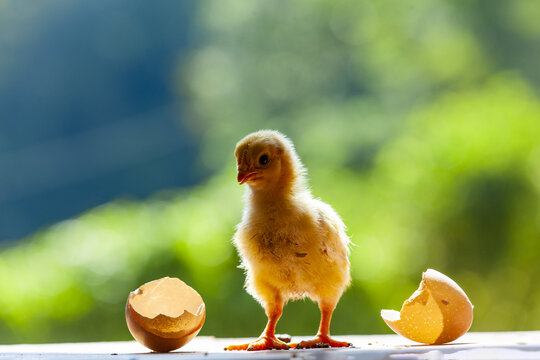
266 159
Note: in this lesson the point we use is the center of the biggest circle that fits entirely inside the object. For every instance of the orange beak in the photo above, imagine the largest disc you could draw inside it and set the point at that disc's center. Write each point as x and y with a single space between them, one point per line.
245 176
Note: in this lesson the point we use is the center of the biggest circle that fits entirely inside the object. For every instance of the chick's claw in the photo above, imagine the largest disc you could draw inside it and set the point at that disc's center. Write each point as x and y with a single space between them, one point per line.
267 343
262 343
322 342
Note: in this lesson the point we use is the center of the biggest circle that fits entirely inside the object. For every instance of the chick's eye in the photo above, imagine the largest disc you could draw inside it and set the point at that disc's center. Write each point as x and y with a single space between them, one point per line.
263 160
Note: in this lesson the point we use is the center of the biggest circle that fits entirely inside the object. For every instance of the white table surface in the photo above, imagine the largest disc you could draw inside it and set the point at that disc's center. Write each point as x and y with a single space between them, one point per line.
496 345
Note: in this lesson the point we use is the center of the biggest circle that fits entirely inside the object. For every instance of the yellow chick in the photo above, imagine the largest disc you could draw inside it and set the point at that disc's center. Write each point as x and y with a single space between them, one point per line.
291 244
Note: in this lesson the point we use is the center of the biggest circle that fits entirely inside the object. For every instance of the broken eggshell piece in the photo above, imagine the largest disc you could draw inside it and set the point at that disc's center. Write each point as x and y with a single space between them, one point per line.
164 314
437 313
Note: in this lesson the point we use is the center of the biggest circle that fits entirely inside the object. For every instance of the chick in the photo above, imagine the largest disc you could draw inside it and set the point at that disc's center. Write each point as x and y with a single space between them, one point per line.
291 244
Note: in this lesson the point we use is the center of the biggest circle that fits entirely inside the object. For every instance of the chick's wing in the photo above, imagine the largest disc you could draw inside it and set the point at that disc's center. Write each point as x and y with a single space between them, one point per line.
333 236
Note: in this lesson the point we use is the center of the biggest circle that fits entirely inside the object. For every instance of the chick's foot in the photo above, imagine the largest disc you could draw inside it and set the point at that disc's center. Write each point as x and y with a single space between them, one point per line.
262 343
322 341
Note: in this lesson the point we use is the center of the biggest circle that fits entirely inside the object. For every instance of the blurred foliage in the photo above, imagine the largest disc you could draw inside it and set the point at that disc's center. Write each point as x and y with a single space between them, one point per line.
421 135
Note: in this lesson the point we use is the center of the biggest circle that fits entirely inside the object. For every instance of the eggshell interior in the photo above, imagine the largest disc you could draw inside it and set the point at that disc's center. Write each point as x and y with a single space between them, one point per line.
437 313
164 314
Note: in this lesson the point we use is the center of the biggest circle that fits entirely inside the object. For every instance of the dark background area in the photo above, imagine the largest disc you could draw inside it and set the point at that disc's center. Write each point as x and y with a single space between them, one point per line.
88 107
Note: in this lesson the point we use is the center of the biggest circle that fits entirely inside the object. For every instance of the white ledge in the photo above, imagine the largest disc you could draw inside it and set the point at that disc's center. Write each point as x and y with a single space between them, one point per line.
480 345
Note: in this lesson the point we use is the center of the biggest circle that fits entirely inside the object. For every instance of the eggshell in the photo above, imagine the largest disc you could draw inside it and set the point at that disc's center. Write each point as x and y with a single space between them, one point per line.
437 313
164 314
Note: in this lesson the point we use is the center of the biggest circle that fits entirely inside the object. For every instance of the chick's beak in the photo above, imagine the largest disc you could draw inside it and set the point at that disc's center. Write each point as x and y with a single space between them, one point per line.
244 176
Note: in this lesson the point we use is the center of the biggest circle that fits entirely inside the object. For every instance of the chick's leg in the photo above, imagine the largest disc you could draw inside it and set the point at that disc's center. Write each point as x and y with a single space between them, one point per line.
322 339
267 340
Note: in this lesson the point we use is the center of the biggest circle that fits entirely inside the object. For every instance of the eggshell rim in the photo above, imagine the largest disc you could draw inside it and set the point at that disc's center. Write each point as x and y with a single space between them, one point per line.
201 309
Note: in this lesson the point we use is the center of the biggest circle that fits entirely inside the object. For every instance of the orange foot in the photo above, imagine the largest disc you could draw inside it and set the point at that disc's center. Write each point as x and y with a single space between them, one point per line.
262 343
322 341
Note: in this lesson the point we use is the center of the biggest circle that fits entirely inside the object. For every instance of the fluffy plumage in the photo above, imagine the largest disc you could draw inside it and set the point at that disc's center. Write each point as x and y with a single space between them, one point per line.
291 244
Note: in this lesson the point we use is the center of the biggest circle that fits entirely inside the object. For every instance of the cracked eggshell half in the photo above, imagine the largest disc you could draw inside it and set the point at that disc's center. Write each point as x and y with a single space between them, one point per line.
437 313
165 314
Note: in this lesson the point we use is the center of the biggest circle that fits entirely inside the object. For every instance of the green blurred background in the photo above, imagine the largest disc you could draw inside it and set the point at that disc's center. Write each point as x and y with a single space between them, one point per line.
418 121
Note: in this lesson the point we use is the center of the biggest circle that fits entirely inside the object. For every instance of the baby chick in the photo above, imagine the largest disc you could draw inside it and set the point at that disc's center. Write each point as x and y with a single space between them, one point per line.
291 244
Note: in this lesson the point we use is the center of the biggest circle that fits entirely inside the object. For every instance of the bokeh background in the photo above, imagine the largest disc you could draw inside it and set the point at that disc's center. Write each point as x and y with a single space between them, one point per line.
419 121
